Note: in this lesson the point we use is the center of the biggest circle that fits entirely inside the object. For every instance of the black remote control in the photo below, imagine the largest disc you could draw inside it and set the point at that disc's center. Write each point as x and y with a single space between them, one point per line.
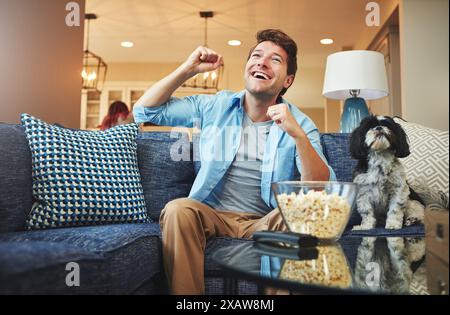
296 239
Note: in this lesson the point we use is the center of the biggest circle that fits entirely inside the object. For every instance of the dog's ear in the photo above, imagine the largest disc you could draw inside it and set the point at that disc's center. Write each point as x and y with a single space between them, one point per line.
401 146
358 147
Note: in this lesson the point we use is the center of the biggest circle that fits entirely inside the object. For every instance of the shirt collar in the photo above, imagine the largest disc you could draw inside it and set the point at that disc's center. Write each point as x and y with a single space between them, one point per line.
237 99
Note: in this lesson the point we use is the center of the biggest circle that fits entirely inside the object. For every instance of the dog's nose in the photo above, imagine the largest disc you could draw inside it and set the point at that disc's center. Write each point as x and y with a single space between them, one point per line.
379 128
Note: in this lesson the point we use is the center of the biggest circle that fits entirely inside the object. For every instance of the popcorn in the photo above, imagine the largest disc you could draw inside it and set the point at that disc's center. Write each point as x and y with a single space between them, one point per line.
330 269
315 213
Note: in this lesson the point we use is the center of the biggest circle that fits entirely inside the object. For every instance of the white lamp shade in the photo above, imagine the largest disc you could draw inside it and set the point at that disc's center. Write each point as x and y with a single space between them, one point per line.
355 70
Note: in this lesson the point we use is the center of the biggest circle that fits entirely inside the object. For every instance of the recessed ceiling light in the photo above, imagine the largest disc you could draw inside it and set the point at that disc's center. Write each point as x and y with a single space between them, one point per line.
127 44
326 41
234 42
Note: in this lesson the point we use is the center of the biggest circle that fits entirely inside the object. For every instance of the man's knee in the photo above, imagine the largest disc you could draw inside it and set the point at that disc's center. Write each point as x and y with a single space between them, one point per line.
176 208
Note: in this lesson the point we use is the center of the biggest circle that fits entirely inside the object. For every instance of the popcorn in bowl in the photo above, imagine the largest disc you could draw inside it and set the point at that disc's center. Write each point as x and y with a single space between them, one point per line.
330 269
322 211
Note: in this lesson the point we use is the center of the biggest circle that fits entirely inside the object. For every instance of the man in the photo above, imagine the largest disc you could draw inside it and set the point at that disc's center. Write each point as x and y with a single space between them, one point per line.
248 140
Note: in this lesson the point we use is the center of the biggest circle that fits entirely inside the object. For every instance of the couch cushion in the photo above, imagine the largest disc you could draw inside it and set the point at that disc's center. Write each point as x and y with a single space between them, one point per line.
22 256
83 177
166 167
98 239
428 162
15 178
112 259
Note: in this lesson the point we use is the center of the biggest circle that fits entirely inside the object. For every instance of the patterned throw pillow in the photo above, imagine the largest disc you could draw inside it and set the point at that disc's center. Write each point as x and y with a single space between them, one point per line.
428 162
82 177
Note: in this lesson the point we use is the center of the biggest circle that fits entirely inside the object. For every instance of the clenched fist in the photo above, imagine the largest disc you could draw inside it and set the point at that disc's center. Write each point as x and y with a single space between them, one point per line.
283 117
203 60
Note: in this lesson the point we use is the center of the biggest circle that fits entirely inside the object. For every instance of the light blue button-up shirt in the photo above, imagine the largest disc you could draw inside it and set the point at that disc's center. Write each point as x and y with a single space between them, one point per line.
219 117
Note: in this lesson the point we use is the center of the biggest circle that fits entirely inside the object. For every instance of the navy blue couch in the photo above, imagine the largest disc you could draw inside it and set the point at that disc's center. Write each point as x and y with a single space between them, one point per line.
116 259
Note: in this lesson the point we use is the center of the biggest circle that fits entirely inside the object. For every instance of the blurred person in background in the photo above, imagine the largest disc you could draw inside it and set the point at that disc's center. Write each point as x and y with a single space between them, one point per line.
118 114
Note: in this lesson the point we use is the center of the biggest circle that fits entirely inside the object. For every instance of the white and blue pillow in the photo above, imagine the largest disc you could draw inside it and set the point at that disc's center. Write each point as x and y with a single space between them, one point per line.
84 177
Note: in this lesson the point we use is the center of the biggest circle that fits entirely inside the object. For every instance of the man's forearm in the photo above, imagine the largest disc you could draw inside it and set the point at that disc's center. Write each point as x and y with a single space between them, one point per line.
161 91
313 167
201 60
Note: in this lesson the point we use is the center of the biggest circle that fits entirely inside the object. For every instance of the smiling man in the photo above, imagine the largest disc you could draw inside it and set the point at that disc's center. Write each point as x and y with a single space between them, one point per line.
261 139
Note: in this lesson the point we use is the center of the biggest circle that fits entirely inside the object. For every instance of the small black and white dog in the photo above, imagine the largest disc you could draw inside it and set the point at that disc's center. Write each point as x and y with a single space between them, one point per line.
384 196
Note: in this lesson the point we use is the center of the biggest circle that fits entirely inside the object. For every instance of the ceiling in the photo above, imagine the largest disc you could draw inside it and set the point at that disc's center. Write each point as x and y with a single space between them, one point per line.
168 30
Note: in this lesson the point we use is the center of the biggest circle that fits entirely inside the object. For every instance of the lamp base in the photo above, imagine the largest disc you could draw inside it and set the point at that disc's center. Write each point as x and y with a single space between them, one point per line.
355 110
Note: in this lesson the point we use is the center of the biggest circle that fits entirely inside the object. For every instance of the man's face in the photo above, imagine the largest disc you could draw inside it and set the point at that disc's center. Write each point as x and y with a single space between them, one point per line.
266 70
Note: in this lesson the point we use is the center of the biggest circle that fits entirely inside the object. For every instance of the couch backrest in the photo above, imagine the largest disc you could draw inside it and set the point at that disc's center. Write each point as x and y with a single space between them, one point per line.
336 150
15 178
165 179
165 163
166 167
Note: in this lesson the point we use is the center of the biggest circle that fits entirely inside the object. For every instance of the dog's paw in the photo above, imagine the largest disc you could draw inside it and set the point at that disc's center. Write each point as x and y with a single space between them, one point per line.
412 221
368 241
367 223
396 244
415 248
393 225
363 227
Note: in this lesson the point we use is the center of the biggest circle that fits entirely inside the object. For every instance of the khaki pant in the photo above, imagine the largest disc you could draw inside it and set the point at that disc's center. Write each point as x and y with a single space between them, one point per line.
187 224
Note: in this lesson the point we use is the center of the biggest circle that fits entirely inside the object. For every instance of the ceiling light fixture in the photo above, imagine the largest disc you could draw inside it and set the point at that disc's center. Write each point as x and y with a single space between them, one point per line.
127 44
207 82
94 67
234 42
326 41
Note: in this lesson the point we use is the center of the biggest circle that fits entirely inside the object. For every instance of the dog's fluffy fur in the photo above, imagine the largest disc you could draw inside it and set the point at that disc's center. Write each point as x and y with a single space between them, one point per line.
384 196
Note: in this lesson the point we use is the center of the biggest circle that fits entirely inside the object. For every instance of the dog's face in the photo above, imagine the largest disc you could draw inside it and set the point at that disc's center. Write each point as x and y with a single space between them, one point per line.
377 134
378 138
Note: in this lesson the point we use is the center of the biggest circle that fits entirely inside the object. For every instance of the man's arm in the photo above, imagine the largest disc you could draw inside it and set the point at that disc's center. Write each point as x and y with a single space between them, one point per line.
201 60
313 166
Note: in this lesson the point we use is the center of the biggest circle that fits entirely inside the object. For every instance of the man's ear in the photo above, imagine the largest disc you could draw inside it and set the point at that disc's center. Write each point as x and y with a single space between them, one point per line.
288 81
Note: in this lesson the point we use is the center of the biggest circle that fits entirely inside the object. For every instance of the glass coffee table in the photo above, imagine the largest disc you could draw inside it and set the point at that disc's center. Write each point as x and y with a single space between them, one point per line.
354 265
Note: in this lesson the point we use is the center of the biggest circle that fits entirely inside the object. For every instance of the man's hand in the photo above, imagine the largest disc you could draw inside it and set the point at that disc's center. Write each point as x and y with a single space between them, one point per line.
283 117
313 168
203 60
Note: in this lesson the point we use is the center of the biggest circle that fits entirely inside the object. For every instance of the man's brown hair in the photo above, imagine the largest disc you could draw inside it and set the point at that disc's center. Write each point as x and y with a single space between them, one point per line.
280 38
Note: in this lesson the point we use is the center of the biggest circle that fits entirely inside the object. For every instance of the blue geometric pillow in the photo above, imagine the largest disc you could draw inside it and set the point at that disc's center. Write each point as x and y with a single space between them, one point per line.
83 177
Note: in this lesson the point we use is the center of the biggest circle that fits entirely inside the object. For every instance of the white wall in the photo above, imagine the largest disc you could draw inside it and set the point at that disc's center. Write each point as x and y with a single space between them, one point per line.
306 91
424 62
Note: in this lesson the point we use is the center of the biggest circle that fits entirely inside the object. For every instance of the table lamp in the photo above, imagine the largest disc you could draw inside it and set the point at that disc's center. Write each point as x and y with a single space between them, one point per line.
354 76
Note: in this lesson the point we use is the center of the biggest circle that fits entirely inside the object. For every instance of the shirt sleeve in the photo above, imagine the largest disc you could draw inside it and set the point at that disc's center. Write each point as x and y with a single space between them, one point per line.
175 112
314 137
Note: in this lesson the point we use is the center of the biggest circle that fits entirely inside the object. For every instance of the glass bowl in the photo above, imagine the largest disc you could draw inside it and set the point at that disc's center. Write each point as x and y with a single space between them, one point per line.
330 268
320 209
